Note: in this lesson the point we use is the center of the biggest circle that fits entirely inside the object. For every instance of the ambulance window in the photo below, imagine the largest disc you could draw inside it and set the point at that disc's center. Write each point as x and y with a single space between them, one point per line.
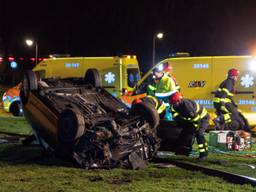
133 76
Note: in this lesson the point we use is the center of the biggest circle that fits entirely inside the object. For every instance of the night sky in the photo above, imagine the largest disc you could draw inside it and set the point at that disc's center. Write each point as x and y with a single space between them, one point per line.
106 28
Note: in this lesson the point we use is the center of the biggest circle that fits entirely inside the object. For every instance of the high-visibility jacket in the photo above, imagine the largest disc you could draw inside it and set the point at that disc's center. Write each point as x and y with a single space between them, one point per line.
158 104
225 92
189 111
164 87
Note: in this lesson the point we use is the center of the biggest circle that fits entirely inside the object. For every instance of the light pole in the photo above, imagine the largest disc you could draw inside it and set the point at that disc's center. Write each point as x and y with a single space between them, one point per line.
29 42
158 36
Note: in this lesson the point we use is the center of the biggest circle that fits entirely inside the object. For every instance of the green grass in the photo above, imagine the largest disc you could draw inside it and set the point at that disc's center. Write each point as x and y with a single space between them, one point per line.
239 162
24 169
222 162
13 124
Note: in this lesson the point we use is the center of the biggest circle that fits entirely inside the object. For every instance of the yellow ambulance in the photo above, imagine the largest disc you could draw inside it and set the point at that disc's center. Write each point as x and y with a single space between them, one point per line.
118 73
199 78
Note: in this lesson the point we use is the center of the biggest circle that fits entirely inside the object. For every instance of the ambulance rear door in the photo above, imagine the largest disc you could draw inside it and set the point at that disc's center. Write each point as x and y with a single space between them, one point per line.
111 76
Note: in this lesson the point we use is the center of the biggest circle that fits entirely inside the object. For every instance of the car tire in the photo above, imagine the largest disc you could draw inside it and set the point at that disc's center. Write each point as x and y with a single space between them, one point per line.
15 109
71 126
29 83
146 112
92 76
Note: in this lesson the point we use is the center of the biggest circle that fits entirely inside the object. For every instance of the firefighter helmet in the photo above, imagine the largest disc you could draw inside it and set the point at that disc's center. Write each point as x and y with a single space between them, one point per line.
168 68
176 97
233 72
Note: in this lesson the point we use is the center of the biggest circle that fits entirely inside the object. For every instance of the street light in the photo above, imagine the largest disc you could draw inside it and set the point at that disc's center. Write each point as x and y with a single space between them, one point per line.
29 42
158 36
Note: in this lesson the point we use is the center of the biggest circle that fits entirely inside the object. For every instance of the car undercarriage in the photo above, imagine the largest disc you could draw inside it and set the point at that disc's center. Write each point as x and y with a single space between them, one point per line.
85 123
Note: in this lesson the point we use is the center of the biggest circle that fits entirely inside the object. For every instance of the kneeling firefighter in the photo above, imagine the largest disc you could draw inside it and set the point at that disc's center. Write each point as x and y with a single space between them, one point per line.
228 115
194 120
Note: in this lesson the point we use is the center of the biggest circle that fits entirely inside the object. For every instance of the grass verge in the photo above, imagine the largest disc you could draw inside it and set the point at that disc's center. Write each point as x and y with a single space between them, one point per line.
13 124
24 169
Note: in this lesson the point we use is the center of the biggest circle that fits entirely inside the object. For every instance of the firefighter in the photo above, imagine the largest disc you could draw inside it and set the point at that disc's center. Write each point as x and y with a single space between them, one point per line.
163 87
144 107
194 120
228 116
158 104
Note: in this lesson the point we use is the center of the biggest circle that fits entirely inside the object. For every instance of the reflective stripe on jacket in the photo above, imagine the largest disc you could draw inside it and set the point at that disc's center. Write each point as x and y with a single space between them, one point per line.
189 111
165 87
158 104
225 92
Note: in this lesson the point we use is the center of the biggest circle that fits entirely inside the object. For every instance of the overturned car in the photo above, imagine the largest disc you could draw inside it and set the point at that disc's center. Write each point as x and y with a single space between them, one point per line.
81 121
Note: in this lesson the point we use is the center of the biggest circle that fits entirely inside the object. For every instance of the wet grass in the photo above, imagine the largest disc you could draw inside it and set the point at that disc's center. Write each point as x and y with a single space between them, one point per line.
238 162
25 169
11 124
233 164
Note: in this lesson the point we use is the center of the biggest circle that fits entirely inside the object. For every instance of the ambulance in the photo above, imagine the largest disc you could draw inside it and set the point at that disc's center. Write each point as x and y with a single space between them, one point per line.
199 78
119 74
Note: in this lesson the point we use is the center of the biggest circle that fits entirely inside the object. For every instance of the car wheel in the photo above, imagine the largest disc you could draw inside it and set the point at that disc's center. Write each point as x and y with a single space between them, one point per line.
71 126
29 83
92 76
16 108
146 112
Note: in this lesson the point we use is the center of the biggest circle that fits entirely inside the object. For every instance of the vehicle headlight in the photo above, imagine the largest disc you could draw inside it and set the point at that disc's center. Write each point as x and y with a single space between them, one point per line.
252 65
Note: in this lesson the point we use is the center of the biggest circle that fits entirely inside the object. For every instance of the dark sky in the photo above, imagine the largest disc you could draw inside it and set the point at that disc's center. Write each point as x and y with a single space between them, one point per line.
107 27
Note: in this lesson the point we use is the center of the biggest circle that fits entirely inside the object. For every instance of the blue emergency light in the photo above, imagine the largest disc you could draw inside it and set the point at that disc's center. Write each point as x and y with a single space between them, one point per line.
14 64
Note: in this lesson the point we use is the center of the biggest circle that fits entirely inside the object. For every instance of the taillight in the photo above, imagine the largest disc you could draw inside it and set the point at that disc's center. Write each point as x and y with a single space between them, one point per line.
10 58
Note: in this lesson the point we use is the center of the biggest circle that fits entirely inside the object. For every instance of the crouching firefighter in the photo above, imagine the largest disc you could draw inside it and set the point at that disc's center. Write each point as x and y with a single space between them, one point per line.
194 120
228 116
